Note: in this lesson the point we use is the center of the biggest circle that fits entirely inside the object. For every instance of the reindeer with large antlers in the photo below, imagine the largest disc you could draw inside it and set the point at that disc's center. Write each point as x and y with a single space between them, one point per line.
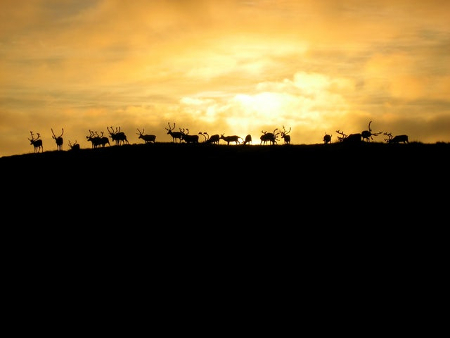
189 138
97 140
58 139
352 138
36 142
117 136
284 135
175 134
272 138
367 134
146 137
74 146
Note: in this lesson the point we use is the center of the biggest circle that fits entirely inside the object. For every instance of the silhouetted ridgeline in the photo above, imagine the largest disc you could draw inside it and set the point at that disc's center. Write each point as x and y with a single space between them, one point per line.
267 161
278 186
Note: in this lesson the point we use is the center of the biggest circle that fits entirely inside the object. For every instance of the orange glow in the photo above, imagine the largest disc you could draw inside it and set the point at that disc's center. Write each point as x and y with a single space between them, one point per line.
233 67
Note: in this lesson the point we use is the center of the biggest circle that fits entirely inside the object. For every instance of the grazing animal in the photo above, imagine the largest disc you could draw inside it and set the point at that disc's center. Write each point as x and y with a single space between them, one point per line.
326 138
367 134
397 138
352 138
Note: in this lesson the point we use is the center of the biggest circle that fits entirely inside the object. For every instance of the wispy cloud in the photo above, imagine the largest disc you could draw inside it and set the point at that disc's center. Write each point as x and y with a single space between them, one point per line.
223 66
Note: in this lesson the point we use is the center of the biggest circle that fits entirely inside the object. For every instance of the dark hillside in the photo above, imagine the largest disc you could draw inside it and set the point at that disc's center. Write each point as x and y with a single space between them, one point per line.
235 174
361 193
165 158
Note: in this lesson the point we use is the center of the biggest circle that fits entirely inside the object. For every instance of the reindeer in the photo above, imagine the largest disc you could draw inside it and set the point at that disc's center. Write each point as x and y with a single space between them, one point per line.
58 139
269 137
117 136
146 137
175 134
74 146
189 138
229 139
352 138
248 139
367 134
396 139
285 136
213 139
97 140
326 138
342 137
36 142
205 135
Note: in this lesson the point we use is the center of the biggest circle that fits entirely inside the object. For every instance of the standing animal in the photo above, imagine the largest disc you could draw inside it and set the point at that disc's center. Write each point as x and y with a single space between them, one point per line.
97 140
272 138
117 136
58 139
327 138
189 138
146 137
175 134
285 136
233 138
36 142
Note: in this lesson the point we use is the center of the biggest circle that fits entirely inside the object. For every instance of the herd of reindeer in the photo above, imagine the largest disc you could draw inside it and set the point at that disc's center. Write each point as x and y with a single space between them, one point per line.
118 137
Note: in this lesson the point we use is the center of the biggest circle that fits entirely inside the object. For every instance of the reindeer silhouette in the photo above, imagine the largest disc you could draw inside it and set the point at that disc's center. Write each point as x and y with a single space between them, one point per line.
58 139
367 134
248 139
146 137
36 142
284 135
175 134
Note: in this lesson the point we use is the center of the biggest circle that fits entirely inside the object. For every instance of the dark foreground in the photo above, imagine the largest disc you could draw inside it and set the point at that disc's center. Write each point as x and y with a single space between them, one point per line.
295 201
141 160
249 179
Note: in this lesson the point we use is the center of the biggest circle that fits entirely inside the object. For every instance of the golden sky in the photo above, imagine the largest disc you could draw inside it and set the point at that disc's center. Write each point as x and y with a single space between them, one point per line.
223 67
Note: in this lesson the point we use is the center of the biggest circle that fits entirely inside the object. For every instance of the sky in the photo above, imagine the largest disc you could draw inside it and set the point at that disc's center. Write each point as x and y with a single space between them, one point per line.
312 67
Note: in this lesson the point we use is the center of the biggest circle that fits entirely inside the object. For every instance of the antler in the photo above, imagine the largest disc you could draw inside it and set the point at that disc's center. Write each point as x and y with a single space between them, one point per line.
369 126
286 132
170 128
389 135
140 132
